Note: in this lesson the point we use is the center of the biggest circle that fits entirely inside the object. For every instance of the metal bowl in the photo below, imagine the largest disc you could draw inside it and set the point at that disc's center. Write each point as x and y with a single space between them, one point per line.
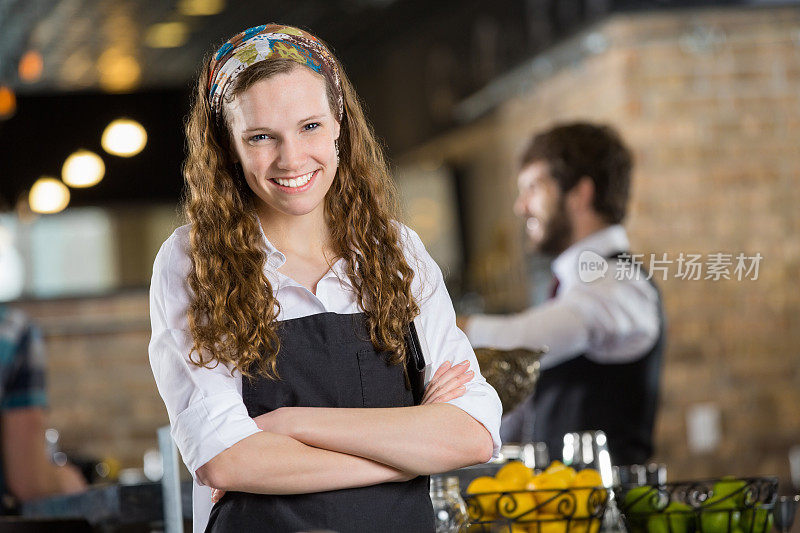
512 373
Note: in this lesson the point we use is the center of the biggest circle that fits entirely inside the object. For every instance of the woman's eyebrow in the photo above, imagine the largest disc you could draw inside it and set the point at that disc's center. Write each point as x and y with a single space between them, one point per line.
257 128
301 121
312 117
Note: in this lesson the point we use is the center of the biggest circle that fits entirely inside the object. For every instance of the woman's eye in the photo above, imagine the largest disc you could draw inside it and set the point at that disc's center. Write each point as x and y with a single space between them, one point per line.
312 126
260 137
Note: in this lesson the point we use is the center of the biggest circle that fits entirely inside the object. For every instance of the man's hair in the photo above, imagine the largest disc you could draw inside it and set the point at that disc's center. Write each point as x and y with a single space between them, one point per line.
580 149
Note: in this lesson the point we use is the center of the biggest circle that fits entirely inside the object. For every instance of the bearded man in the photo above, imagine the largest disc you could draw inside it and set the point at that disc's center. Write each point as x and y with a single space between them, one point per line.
603 323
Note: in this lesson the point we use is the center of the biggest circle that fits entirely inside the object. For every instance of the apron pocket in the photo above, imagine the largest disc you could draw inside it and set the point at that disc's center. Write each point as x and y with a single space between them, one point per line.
382 384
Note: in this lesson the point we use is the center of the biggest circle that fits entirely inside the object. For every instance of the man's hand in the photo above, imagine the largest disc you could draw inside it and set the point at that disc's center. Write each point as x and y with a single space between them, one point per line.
70 479
447 383
29 472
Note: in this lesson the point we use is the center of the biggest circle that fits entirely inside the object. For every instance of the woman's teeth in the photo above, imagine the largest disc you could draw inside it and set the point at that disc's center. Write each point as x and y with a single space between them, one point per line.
294 182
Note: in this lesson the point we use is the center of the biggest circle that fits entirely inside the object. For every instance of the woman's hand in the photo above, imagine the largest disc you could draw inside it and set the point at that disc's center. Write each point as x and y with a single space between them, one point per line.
447 383
278 421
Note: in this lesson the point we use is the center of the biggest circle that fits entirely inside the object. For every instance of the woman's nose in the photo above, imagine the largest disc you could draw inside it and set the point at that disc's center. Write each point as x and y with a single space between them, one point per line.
291 155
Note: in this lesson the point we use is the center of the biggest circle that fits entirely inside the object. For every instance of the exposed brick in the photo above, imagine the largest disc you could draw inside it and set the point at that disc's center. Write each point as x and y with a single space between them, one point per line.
714 130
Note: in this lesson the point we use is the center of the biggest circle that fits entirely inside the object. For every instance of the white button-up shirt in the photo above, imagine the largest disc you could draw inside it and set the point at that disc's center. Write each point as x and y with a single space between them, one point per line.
205 406
612 319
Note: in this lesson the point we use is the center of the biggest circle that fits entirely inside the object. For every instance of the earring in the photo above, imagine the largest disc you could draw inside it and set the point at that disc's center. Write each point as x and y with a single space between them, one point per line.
336 147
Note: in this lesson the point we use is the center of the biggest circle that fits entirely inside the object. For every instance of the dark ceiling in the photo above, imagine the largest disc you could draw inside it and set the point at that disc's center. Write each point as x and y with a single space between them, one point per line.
73 35
412 61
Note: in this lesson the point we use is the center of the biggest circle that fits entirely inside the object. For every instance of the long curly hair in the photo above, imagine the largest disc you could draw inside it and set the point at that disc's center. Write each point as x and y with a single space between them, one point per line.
233 313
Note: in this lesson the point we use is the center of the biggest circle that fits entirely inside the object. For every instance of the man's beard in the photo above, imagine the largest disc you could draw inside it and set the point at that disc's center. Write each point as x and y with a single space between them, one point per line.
557 232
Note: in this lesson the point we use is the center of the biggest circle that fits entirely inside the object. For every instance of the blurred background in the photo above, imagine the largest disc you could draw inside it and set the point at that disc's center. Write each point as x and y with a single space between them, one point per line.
707 95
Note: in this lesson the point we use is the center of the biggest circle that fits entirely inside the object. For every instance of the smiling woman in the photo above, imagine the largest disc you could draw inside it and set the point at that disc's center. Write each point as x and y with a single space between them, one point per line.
282 313
284 137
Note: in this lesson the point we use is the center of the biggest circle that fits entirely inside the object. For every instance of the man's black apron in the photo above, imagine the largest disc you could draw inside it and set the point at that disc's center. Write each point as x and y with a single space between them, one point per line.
620 399
327 360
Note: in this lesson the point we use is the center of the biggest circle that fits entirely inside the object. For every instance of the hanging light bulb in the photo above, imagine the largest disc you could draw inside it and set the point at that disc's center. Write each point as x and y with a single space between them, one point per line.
48 195
167 35
124 137
200 7
31 66
8 102
119 71
83 169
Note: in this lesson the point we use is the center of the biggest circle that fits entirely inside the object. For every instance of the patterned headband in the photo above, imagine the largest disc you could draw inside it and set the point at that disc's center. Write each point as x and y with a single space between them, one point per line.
265 42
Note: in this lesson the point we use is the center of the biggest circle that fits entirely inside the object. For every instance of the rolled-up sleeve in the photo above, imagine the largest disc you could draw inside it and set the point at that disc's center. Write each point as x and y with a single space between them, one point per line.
442 340
205 407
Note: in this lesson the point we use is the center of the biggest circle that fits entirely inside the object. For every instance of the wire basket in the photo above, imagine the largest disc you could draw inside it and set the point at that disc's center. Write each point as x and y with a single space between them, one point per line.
571 510
722 505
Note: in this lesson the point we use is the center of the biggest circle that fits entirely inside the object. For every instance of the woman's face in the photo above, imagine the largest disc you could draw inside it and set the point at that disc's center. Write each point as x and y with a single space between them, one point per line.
283 134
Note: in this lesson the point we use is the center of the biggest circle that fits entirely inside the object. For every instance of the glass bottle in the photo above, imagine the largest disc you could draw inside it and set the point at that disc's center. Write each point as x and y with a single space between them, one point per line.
460 517
449 509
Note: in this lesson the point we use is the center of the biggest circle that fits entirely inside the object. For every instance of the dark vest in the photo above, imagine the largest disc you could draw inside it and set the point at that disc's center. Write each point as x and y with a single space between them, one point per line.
619 399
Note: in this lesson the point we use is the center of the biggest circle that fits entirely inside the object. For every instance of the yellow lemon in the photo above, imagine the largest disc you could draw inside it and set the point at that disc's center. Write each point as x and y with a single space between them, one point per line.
555 466
585 481
549 523
591 525
550 492
486 502
567 473
514 476
517 504
588 477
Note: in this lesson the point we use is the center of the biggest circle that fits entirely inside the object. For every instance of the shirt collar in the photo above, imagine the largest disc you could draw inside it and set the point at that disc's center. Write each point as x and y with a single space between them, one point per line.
276 259
608 240
338 271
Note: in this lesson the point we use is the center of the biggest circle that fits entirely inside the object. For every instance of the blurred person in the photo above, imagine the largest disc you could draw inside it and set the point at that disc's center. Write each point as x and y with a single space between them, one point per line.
26 472
605 336
281 314
12 269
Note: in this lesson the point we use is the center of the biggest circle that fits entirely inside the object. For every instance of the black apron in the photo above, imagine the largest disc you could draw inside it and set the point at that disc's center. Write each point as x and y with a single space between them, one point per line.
327 360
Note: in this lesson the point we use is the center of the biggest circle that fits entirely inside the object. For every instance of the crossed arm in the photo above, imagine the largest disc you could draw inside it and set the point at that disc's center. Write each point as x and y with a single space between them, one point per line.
304 450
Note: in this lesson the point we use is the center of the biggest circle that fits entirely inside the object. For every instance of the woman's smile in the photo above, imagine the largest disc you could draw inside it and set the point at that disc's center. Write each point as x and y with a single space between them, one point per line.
295 184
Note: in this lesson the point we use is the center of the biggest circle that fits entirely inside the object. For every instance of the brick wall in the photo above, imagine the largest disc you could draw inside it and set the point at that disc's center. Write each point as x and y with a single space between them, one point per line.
101 391
709 102
713 111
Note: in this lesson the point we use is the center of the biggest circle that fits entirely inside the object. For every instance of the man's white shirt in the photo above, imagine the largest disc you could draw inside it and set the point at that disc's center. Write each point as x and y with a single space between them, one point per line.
612 319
